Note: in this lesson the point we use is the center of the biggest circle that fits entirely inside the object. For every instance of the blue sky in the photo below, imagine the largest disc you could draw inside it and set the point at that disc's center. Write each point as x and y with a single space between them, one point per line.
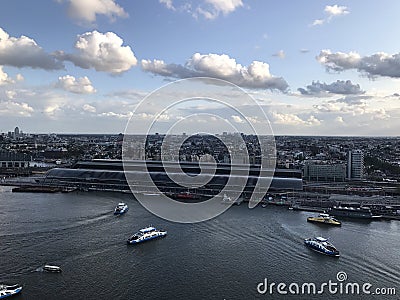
316 67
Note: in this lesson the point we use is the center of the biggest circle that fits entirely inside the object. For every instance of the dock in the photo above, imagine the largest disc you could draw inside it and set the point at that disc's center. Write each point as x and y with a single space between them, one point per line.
41 189
308 208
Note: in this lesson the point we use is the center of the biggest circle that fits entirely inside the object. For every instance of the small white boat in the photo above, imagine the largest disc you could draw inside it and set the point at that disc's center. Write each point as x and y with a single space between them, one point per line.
120 209
9 290
146 234
53 269
227 200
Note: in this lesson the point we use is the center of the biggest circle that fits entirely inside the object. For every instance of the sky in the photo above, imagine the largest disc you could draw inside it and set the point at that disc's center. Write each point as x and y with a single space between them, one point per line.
313 67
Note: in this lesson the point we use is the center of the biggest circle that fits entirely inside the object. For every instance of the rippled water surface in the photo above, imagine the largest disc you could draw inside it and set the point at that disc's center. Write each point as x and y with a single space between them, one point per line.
224 258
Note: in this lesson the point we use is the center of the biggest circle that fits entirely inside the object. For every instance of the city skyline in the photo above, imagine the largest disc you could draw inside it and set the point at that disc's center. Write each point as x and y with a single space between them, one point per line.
70 66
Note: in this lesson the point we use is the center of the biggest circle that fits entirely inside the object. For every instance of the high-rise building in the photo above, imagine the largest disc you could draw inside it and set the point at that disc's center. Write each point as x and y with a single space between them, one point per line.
355 165
16 133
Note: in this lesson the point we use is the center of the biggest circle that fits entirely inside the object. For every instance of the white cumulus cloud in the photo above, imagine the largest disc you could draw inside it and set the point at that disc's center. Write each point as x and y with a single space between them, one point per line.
237 119
336 10
331 12
339 119
10 94
256 75
293 119
89 108
318 22
88 10
168 4
19 77
116 115
211 9
101 51
4 79
207 9
378 64
12 108
80 85
25 52
317 88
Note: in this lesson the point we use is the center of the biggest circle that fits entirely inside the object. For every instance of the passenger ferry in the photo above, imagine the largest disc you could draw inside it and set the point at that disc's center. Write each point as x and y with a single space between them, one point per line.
321 245
146 234
120 209
324 219
9 290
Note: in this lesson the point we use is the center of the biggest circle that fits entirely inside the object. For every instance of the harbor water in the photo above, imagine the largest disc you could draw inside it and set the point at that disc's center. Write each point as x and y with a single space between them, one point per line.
223 258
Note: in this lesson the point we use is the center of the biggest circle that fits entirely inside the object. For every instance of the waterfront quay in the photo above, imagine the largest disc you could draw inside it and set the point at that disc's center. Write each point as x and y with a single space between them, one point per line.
287 188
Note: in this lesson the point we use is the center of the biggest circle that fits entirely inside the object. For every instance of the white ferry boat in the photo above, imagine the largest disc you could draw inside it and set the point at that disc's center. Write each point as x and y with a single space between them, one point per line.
120 209
9 290
146 234
321 245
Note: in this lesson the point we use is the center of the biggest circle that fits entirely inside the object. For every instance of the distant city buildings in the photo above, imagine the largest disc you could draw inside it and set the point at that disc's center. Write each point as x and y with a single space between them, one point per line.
335 171
322 159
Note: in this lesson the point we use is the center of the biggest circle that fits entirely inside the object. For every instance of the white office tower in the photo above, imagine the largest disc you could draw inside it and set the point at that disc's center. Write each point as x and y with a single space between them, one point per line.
355 165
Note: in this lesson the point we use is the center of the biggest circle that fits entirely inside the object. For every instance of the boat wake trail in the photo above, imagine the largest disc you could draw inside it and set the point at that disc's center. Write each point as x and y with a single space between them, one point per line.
54 226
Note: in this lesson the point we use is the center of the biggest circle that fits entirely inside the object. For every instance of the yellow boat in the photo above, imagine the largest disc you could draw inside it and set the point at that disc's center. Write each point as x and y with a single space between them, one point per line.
324 219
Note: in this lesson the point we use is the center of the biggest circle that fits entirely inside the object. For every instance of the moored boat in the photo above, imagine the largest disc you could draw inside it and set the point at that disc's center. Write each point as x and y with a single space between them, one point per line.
185 195
9 290
324 219
239 201
321 245
120 209
52 269
352 212
146 234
